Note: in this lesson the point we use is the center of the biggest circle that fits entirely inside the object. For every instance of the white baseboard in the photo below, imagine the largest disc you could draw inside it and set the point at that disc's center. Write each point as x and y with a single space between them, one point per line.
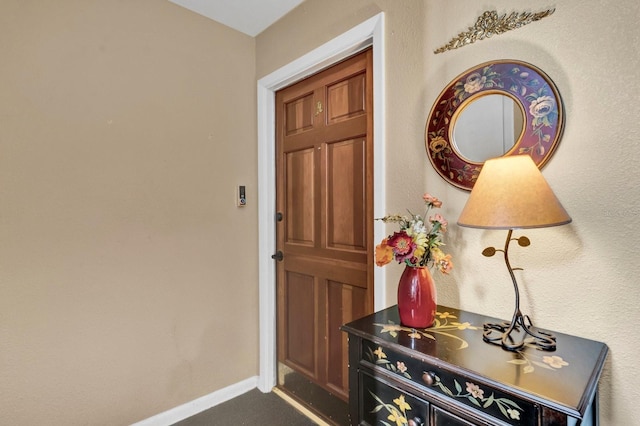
201 404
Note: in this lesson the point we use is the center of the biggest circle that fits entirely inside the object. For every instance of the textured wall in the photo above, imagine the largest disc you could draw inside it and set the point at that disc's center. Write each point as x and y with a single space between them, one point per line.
124 127
578 279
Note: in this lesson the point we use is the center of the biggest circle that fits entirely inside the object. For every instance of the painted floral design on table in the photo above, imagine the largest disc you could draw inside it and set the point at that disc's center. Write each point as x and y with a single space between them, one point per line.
472 392
379 357
441 326
476 395
528 360
397 411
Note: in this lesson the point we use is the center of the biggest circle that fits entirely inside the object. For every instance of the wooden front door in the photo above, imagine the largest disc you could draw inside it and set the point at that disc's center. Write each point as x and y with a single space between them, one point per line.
324 191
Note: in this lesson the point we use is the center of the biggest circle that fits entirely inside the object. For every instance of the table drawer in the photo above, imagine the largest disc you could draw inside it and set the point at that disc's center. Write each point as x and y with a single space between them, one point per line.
444 384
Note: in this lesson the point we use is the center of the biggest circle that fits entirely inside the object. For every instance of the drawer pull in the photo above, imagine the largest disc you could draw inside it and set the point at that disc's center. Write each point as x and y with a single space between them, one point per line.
416 421
429 378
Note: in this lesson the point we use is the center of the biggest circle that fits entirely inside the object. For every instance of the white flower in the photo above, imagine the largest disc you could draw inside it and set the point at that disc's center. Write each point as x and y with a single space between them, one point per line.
513 413
474 83
542 106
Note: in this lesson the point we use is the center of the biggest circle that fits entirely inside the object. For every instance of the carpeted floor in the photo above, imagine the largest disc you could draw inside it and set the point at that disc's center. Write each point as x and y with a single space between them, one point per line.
251 408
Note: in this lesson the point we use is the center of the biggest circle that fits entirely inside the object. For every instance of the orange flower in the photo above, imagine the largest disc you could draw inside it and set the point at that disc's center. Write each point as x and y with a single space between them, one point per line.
384 253
442 261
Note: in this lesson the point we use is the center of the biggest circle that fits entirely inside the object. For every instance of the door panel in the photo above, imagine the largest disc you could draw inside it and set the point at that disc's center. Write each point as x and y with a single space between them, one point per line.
301 319
300 195
346 197
346 99
343 306
324 189
299 114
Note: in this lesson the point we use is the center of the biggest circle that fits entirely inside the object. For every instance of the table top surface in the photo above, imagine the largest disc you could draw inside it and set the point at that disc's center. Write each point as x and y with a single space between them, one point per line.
565 377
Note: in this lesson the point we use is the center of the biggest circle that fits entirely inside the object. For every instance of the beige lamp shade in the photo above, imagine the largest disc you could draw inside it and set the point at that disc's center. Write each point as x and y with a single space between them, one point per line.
511 193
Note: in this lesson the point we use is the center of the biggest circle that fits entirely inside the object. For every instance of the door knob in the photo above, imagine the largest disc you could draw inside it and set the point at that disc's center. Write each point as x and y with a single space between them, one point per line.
278 256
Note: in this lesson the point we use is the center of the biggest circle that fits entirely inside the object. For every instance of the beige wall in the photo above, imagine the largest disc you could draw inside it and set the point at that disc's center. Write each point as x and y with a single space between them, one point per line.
123 256
579 279
128 279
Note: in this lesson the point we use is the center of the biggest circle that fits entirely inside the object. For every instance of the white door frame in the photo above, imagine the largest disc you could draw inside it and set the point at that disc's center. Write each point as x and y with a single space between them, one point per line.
368 33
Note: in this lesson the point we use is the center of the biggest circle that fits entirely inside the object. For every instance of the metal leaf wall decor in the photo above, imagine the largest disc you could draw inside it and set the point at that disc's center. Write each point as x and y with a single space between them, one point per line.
490 23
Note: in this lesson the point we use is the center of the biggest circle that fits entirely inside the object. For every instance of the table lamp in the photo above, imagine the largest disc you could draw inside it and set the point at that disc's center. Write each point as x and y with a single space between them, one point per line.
511 193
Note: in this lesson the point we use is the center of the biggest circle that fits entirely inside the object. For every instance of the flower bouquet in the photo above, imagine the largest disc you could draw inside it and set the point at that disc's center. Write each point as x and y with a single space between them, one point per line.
417 245
418 241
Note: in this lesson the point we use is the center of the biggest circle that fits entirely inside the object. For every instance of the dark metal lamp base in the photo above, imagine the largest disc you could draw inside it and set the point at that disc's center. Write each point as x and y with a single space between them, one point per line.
511 338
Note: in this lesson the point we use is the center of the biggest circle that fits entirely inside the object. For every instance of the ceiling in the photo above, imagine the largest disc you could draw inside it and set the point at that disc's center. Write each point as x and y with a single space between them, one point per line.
248 16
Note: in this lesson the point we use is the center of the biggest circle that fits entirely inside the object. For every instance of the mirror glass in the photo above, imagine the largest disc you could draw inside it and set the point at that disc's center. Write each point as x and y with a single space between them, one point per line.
487 127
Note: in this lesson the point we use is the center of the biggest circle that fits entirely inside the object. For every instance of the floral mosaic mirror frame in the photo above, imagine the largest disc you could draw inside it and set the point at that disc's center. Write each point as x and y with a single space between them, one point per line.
532 90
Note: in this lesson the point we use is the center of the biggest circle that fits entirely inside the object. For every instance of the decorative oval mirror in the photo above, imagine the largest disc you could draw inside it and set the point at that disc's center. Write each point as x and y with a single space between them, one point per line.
494 109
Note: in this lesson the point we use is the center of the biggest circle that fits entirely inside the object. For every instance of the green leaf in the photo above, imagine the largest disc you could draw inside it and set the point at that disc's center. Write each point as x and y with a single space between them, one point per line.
510 402
504 412
475 401
369 354
444 388
458 387
488 402
383 404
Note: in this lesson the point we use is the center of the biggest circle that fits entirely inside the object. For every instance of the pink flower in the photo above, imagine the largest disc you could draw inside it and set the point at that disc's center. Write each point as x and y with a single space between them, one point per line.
441 220
475 390
431 200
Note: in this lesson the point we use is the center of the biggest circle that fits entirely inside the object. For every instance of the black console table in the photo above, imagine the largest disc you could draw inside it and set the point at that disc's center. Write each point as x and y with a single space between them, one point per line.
447 375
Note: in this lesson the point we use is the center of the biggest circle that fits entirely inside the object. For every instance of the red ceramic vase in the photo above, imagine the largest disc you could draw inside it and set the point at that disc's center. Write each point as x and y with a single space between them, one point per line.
416 298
